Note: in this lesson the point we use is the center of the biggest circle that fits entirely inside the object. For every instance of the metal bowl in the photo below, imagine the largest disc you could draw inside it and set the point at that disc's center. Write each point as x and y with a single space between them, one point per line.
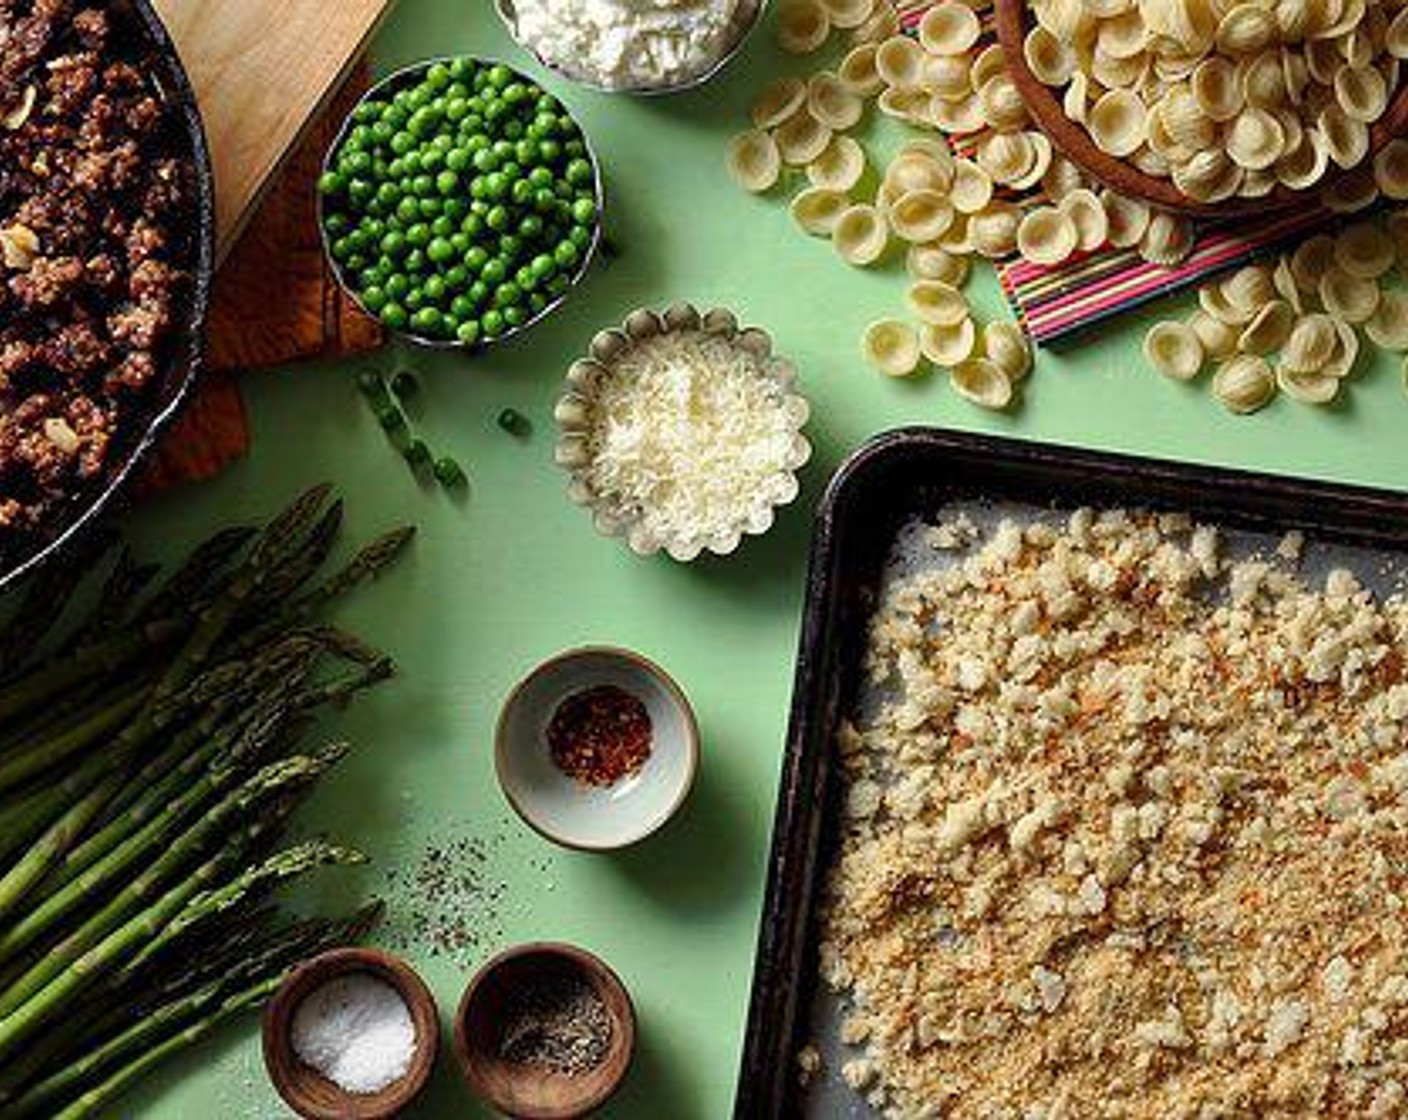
186 348
745 18
391 84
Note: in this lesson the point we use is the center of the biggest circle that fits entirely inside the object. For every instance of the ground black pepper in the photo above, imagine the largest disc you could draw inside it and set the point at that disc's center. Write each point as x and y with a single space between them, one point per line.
556 1023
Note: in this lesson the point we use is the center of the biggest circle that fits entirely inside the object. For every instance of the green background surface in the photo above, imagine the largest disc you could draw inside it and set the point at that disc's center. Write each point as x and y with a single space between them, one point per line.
514 573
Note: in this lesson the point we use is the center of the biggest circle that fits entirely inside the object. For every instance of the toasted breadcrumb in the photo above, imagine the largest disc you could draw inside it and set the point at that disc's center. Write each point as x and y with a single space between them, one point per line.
1128 836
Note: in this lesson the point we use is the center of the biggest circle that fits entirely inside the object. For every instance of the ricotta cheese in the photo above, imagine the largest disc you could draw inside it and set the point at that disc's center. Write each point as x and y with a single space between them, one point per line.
624 43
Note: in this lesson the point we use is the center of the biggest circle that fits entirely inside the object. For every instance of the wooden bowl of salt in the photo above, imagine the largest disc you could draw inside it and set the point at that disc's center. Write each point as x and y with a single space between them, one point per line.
351 1035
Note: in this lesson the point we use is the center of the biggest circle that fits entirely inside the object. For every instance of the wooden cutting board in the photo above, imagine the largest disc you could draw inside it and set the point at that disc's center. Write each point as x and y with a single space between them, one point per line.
261 70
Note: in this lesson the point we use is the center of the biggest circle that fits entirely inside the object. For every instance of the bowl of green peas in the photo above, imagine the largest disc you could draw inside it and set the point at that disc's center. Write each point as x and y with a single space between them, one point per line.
460 203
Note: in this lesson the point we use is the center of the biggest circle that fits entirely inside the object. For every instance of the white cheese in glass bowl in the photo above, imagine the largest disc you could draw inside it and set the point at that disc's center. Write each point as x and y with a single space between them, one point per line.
629 44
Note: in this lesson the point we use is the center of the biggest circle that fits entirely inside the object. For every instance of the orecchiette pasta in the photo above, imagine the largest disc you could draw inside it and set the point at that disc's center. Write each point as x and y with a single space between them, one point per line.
802 25
981 381
892 347
1244 384
936 302
778 101
818 209
860 234
1175 350
1006 346
1047 236
948 345
753 161
840 165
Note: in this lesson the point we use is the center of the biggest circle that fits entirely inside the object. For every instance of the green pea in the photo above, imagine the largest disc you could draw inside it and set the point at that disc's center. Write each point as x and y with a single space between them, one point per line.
579 172
407 210
478 293
360 191
336 224
494 271
542 266
442 226
458 159
581 236
423 185
460 242
434 289
447 182
394 316
388 193
566 255
507 295
468 332
558 284
461 307
515 316
398 285
538 303
499 76
432 160
414 301
544 201
584 211
418 236
415 260
366 111
457 277
457 109
429 207
440 250
531 228
438 76
522 192
373 299
476 258
498 219
330 182
525 152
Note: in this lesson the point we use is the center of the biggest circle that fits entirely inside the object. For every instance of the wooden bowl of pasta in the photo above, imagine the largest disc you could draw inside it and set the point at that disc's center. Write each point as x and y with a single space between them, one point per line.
1204 148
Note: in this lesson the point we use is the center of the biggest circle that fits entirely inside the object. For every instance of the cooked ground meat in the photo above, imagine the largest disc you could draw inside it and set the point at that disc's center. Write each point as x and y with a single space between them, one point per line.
94 193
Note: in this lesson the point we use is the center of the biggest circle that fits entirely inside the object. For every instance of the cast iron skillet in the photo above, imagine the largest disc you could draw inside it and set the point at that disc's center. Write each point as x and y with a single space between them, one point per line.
185 349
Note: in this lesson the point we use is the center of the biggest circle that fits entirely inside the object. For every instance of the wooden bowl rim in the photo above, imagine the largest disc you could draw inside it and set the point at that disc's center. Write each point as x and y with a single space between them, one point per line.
287 1071
600 975
1072 140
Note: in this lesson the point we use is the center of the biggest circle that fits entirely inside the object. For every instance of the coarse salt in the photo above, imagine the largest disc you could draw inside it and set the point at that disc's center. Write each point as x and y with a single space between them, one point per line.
356 1031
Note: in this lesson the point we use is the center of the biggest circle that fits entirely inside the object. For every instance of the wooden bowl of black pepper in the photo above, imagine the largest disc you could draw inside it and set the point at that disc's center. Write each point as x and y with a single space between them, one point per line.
545 1031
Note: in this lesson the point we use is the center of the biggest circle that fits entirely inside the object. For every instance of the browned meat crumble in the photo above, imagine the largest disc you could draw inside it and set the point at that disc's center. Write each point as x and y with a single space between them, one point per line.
93 193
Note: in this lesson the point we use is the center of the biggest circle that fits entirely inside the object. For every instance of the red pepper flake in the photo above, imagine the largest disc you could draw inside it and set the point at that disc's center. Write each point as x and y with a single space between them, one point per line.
600 735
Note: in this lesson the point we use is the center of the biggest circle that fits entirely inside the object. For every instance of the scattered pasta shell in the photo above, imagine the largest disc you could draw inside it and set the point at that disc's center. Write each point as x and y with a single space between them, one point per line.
802 26
1006 346
840 165
891 347
1310 261
938 303
1118 123
948 345
1092 224
899 60
1244 384
753 161
1219 340
1348 297
848 14
858 71
1308 388
1249 289
949 28
1126 219
1310 345
1346 351
832 102
860 235
970 189
1167 240
1363 251
1387 327
920 216
1268 328
778 101
801 138
982 382
818 209
1048 57
993 230
1391 170
1284 281
932 262
1175 350
1047 236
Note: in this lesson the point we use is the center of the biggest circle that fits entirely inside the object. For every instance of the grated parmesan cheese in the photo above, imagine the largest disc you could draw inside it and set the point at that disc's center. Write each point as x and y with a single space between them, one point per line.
686 437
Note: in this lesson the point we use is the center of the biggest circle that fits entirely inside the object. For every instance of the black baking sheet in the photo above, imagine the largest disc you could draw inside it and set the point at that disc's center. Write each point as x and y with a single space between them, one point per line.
894 479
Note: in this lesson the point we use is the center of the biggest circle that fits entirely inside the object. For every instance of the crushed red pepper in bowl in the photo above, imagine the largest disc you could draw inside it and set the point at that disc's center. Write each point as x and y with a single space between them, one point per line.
600 735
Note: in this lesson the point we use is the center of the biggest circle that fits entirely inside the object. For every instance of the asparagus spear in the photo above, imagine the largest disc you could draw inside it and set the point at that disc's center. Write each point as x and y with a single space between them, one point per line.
278 777
19 766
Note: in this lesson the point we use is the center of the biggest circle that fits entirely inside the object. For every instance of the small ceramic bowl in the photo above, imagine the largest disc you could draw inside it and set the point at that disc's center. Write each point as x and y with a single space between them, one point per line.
309 1093
389 86
568 811
527 1092
745 18
574 420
